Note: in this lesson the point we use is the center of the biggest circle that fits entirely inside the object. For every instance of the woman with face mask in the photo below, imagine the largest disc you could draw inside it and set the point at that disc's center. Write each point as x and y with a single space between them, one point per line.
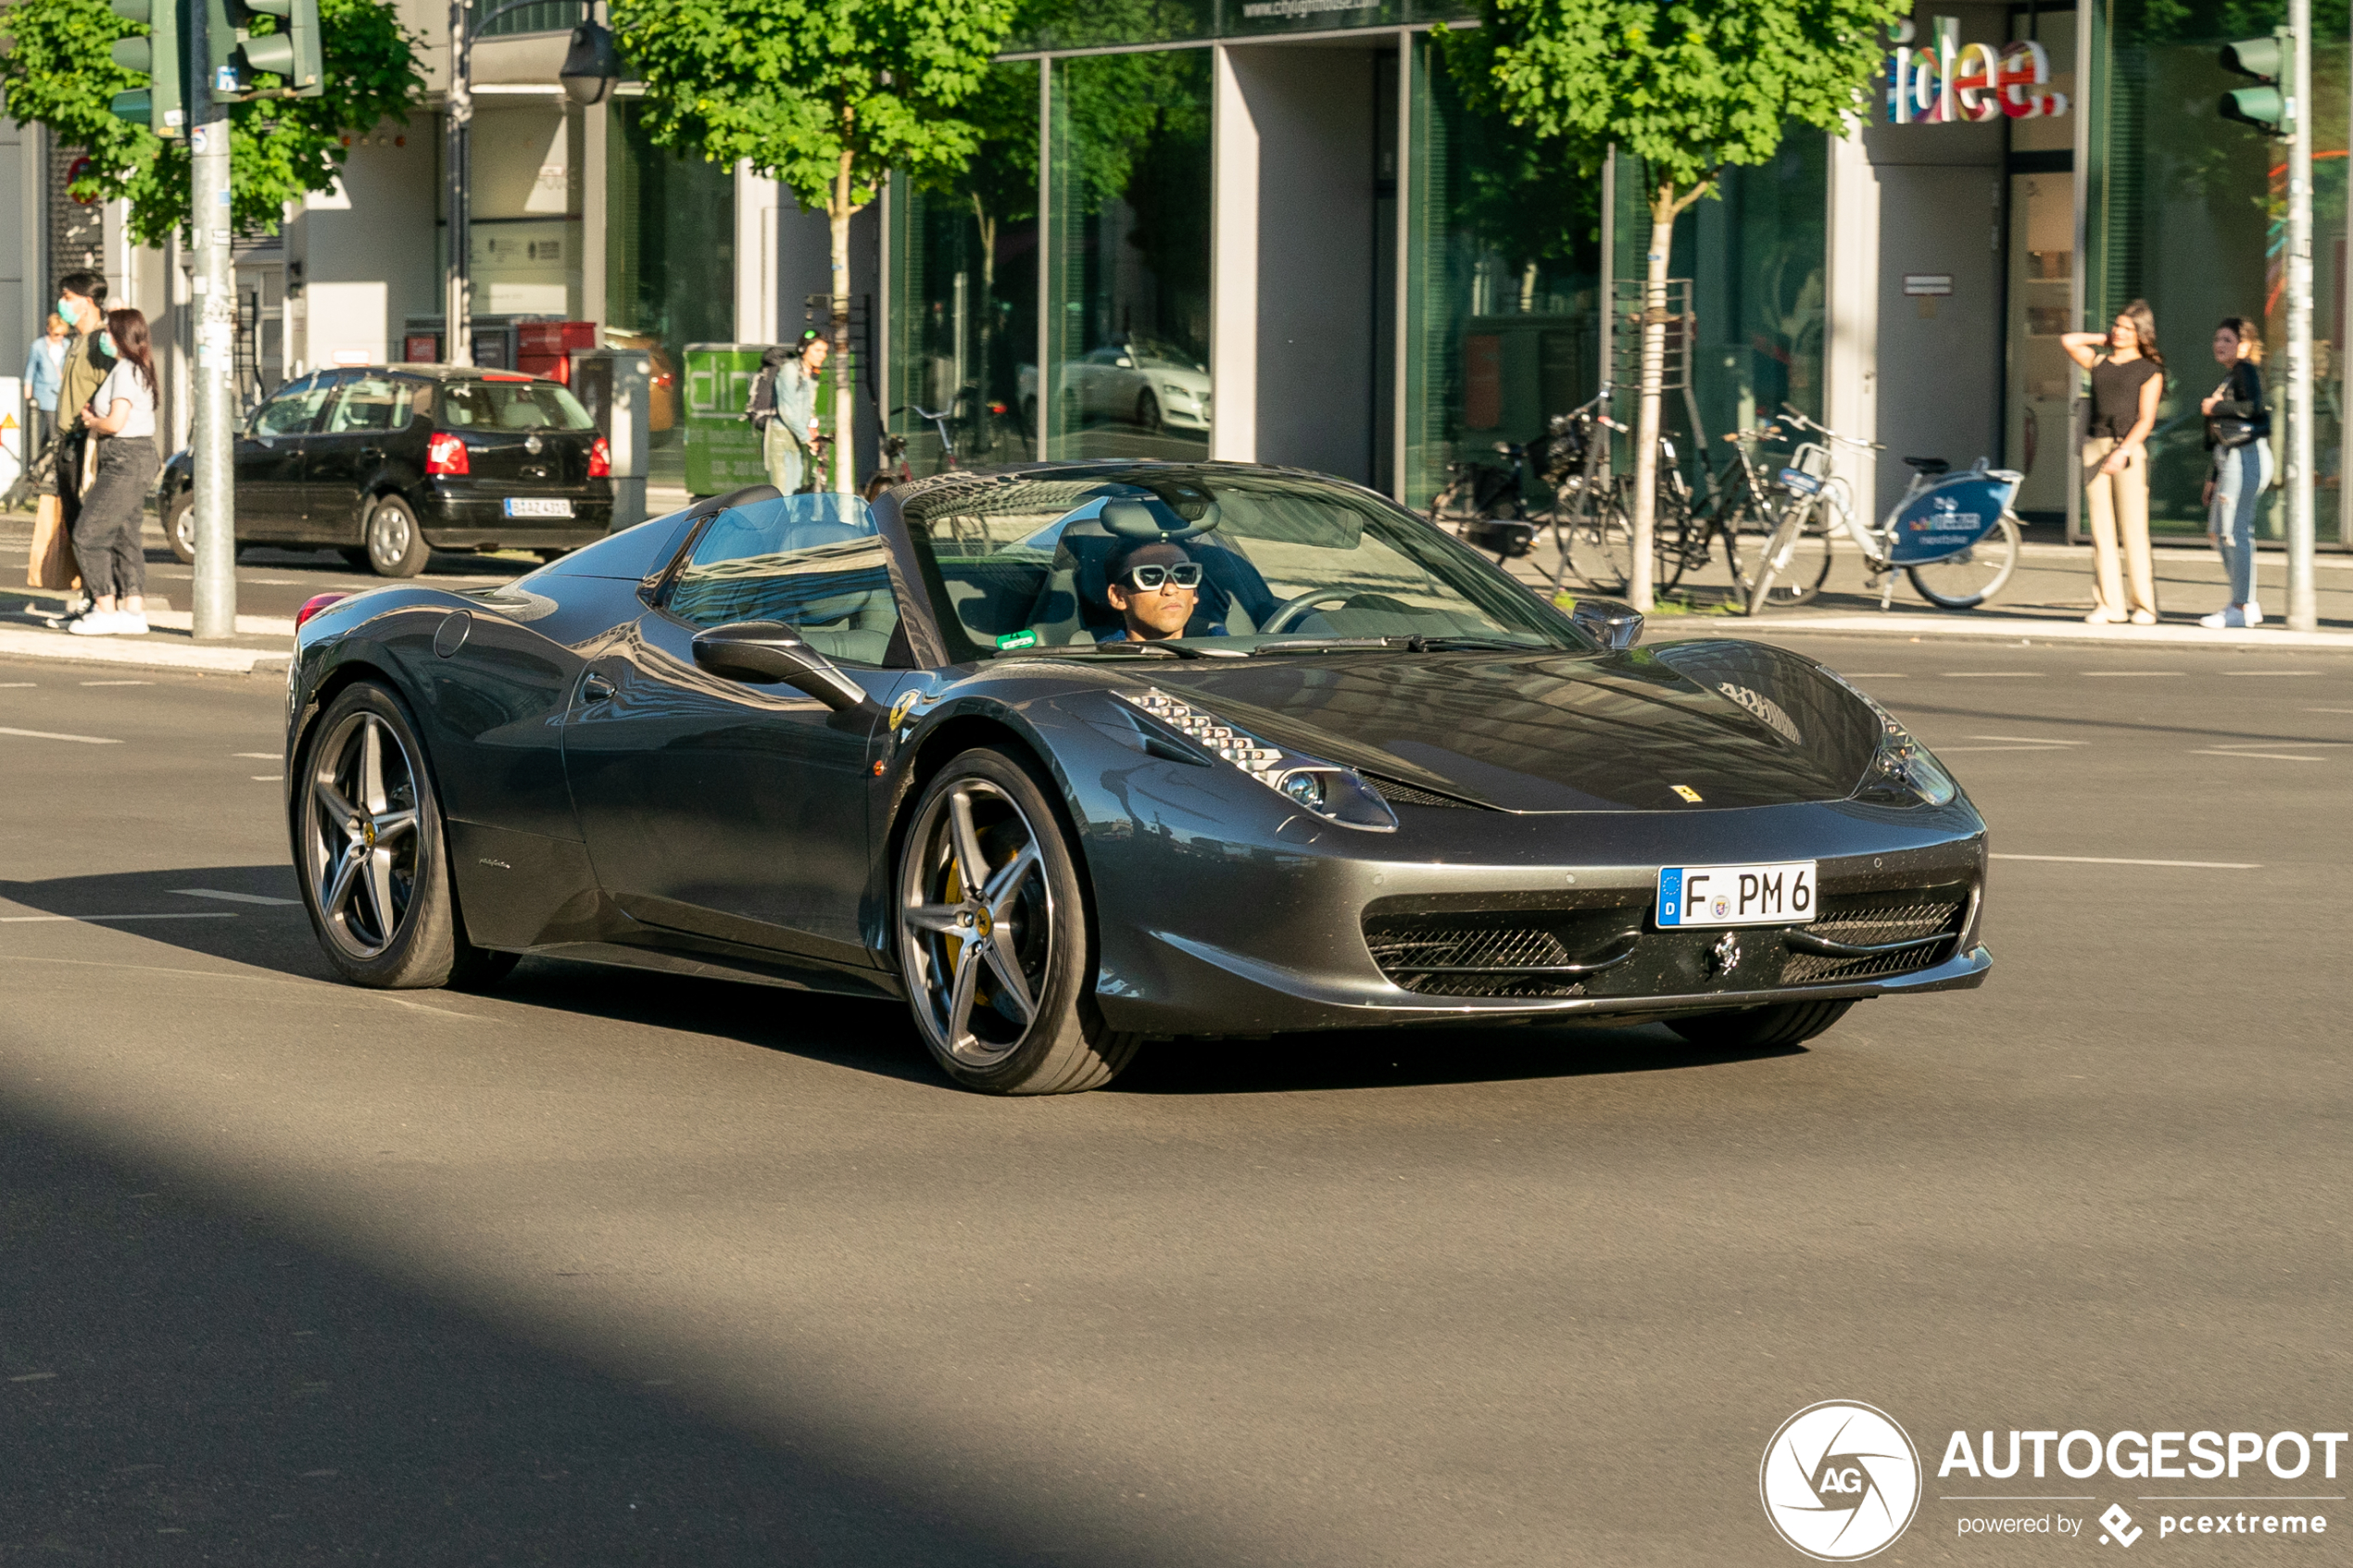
2238 428
120 418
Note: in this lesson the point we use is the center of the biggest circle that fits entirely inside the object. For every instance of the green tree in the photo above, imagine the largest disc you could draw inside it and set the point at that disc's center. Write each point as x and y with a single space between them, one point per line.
824 96
1689 87
57 72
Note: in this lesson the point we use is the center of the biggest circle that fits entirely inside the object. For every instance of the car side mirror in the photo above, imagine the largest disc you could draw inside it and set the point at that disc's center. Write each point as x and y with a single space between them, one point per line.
1614 625
770 650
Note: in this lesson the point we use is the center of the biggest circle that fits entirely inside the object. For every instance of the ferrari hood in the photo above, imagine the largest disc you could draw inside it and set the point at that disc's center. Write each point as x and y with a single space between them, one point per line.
1690 726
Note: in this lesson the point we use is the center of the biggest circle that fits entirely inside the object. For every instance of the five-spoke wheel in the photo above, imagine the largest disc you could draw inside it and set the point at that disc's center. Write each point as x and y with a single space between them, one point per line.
368 842
992 936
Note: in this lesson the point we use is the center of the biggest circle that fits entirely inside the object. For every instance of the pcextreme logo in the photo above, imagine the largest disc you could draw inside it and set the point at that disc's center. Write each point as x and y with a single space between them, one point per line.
1840 1481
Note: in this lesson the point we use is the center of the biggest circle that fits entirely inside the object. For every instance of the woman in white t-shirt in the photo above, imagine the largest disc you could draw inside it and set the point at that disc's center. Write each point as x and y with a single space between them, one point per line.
107 536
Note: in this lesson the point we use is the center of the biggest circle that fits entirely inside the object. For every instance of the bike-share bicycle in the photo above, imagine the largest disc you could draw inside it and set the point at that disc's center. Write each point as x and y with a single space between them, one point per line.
1952 534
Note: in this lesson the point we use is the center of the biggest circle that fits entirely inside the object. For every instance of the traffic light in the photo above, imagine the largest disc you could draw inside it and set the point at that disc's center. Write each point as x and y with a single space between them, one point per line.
291 53
156 56
2264 107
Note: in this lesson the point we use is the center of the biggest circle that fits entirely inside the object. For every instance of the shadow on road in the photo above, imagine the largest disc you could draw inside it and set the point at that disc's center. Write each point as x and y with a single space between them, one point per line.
864 1035
182 1385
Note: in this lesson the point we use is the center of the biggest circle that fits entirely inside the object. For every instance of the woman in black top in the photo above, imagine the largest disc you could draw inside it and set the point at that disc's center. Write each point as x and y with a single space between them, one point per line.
2238 428
2128 378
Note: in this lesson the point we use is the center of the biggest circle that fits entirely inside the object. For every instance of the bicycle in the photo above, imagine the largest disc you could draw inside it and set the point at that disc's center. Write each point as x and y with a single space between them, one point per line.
1952 534
1484 503
894 450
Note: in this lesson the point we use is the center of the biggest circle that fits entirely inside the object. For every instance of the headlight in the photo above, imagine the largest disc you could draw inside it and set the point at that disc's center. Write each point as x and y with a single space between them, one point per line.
1324 788
1902 771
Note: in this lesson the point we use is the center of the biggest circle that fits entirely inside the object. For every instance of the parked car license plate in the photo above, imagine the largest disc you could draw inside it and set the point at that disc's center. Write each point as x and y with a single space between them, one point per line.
1782 894
537 507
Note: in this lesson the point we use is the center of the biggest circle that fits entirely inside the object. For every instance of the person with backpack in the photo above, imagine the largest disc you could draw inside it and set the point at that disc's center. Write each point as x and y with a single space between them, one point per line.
784 409
120 419
2238 428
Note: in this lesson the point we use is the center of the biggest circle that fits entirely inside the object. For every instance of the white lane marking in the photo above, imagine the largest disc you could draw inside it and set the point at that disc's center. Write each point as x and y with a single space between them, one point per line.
2129 675
1957 750
2266 671
2329 711
52 735
257 756
2306 744
2266 756
2034 740
17 685
2110 861
230 897
197 914
118 682
1992 674
267 778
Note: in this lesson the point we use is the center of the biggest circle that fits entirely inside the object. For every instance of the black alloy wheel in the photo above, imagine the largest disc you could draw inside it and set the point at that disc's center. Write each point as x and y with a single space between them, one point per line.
994 942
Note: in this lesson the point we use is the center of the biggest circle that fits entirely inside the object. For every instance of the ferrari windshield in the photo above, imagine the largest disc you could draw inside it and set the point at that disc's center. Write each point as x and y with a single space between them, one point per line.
1209 560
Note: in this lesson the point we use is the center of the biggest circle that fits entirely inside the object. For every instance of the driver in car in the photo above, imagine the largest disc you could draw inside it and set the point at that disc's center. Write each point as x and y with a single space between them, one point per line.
1154 587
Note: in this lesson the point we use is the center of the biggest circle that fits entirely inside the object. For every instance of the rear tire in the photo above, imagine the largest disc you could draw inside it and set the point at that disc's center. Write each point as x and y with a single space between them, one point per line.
1788 1024
1968 580
396 544
1001 981
370 852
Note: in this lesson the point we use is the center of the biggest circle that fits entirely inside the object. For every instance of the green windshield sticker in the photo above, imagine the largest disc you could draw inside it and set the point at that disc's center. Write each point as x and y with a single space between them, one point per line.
1018 640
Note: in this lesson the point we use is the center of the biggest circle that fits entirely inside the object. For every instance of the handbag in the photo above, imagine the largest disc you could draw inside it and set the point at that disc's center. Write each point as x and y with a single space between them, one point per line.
51 564
2230 424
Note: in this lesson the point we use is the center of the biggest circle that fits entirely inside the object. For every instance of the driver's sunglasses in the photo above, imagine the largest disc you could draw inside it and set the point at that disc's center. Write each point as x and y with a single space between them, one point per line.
1150 579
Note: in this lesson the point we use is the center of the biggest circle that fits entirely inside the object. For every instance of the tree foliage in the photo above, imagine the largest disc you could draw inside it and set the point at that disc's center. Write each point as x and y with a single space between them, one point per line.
1688 86
819 95
57 72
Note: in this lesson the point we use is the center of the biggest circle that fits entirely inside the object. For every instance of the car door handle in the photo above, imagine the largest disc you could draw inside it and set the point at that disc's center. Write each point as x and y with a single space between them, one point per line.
594 688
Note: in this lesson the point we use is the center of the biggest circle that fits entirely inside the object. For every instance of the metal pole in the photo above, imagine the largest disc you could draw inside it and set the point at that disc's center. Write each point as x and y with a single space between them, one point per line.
2303 611
456 346
215 606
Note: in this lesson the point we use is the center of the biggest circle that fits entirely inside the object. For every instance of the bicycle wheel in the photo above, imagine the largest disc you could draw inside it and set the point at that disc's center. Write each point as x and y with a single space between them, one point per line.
1598 546
1968 579
1793 566
1674 539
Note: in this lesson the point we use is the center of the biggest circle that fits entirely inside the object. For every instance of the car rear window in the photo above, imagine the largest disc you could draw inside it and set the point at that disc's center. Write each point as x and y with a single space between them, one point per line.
516 405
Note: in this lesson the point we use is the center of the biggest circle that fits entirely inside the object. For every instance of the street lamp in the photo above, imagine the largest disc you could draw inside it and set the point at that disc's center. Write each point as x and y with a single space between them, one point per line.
590 68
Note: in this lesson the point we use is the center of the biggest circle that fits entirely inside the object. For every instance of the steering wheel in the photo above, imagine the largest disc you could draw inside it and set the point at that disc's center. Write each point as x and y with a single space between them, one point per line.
1291 610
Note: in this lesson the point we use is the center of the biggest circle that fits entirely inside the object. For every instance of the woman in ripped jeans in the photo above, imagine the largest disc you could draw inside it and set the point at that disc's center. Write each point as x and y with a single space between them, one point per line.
2238 430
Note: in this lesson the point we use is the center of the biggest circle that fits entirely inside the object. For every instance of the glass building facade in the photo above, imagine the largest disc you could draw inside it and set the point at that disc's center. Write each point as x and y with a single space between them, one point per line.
1275 230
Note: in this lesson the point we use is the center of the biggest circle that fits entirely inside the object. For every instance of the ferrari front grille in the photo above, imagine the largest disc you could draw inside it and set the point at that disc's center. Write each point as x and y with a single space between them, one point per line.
1896 923
1524 954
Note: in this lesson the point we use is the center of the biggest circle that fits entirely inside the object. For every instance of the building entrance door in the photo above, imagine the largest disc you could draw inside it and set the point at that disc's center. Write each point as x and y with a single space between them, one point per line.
2041 378
1939 316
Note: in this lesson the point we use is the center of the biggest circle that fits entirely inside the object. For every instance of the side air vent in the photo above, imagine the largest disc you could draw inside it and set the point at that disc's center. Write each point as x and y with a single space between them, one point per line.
1398 794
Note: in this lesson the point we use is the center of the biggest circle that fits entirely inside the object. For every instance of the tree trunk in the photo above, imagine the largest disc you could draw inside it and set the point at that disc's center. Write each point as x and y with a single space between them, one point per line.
1653 319
838 214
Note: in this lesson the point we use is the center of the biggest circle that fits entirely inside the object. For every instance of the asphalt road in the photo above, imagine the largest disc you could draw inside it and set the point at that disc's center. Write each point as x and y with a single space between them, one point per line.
606 1268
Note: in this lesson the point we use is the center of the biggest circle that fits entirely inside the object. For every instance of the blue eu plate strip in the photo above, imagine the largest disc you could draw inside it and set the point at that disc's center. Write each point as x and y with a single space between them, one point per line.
1671 896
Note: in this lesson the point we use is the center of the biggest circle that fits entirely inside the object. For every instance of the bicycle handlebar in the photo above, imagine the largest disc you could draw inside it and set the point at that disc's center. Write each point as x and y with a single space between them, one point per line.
1820 429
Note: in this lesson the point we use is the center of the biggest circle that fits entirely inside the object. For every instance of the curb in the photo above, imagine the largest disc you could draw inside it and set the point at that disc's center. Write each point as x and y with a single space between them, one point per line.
138 653
2257 638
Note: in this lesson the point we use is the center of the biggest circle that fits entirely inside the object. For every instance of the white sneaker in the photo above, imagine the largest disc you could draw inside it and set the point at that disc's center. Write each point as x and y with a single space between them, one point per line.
99 624
2103 618
2254 614
130 623
2143 618
2219 619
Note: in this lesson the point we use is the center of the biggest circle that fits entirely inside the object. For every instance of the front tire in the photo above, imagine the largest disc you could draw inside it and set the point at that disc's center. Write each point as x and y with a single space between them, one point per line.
369 854
1968 579
396 544
995 943
1788 1024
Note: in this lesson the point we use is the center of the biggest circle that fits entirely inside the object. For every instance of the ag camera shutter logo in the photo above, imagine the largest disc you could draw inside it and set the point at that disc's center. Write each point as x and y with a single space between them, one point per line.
1840 1481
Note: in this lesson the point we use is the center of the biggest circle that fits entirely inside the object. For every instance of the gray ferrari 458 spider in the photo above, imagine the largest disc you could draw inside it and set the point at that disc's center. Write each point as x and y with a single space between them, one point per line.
1078 756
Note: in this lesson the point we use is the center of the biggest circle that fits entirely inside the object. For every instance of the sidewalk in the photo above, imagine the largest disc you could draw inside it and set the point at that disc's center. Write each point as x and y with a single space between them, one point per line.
2045 598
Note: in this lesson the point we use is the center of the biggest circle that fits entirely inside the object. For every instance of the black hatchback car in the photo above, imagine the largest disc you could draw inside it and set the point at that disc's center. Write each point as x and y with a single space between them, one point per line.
389 462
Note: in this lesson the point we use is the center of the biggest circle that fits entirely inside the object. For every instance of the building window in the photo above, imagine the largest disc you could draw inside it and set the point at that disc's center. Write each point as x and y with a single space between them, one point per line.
669 267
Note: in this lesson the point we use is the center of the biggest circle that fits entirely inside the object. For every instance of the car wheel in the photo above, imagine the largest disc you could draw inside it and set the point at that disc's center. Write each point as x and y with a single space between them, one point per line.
396 544
1148 413
368 845
994 941
1788 1024
180 526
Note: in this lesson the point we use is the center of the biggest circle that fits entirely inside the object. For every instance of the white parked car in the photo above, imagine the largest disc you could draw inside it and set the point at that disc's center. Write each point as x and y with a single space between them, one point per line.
1140 382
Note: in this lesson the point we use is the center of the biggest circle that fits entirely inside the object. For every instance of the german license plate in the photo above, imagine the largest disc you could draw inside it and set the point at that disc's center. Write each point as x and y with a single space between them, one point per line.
537 506
1781 894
